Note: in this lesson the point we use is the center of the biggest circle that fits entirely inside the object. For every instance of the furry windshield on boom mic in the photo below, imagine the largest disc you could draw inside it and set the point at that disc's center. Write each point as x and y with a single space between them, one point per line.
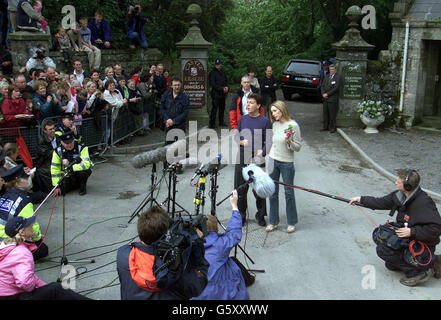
172 153
261 182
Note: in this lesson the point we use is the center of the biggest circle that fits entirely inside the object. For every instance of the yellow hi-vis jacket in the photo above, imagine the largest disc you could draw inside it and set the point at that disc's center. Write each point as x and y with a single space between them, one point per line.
16 202
57 170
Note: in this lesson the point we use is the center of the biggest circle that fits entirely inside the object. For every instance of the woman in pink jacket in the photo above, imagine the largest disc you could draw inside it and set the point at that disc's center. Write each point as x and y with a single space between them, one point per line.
18 280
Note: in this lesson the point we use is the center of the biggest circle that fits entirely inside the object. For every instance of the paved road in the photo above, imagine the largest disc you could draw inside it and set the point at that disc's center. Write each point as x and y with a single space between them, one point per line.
330 256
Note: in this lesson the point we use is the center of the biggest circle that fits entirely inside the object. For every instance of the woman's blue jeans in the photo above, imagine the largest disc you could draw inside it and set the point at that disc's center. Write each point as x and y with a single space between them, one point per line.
286 169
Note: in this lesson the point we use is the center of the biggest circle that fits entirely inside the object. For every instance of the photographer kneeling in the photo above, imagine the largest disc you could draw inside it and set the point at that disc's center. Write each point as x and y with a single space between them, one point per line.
409 244
144 276
225 280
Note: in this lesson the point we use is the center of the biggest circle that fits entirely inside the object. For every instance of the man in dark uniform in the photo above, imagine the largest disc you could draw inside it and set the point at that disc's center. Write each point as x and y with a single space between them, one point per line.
219 89
67 124
417 219
330 90
74 156
268 87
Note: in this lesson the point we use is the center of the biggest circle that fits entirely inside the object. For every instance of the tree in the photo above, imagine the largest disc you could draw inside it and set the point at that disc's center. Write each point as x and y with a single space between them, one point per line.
260 32
167 21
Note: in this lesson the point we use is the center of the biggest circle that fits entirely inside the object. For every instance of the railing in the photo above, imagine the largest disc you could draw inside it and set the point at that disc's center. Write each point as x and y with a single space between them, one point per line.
96 131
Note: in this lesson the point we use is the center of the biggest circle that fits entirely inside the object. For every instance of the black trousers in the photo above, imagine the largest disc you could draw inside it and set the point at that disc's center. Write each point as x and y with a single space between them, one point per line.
51 291
77 179
217 106
42 250
266 101
330 110
394 261
242 190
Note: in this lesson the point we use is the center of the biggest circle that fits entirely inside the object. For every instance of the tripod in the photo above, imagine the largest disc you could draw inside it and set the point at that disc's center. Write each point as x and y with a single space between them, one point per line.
171 198
213 191
64 261
150 198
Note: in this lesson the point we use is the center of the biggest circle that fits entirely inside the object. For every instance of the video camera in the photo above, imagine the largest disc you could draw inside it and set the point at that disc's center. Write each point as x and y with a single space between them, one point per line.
181 244
134 9
40 54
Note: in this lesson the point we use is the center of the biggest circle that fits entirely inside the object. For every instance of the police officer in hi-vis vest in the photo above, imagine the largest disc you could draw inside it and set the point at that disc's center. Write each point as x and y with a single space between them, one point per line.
17 202
74 156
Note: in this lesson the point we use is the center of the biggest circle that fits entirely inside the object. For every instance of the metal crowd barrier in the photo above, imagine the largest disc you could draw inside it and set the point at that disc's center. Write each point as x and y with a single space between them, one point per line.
93 129
126 124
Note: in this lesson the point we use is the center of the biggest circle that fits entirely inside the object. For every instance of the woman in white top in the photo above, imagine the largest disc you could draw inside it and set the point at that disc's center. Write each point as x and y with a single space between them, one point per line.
280 160
253 81
114 98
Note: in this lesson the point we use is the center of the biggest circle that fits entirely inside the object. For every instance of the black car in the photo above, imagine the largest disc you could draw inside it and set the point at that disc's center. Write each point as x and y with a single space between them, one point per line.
301 76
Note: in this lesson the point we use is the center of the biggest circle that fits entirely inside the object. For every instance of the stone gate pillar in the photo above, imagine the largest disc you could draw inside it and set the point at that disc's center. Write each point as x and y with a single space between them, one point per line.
351 57
194 67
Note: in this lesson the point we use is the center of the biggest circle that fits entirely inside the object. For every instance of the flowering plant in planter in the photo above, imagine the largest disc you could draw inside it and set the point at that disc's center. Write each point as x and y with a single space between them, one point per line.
374 109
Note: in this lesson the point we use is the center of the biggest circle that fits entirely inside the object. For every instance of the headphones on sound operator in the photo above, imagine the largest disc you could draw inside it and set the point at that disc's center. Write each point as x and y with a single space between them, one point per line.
406 185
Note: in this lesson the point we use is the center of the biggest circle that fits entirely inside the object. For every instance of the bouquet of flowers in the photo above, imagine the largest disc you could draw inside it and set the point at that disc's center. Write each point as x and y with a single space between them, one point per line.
289 132
374 109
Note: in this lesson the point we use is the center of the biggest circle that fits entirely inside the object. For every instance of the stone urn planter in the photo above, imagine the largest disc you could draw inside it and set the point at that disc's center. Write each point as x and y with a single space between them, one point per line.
371 123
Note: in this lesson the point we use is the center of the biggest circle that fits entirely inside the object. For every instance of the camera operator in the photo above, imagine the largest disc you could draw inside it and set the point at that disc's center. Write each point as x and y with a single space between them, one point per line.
135 26
138 261
417 219
225 280
39 60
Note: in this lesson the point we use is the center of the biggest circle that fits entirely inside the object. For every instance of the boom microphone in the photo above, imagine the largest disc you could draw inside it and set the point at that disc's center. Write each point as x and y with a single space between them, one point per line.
260 181
166 153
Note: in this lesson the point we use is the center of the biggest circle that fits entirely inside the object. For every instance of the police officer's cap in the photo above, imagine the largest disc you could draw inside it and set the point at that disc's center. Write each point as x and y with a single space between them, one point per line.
14 173
68 115
217 61
325 63
15 224
67 137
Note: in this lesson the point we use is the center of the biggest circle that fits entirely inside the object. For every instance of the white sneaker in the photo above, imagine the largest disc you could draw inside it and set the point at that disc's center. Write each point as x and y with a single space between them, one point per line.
291 229
271 227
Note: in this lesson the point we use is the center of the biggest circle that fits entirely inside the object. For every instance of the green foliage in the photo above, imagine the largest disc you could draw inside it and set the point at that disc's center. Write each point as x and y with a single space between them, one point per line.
167 21
261 32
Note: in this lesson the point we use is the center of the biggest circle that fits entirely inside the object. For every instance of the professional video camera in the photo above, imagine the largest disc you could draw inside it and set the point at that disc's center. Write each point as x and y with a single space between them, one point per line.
181 244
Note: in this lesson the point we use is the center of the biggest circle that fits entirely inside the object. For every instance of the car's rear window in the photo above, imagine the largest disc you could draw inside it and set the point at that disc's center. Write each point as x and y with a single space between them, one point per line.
304 67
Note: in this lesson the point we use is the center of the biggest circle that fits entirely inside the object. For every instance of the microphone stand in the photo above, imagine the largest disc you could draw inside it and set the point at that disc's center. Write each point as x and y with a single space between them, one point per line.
171 198
213 208
150 198
64 261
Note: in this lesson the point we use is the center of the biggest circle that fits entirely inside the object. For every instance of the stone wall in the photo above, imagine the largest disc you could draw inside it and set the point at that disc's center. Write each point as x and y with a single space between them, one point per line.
383 81
128 58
